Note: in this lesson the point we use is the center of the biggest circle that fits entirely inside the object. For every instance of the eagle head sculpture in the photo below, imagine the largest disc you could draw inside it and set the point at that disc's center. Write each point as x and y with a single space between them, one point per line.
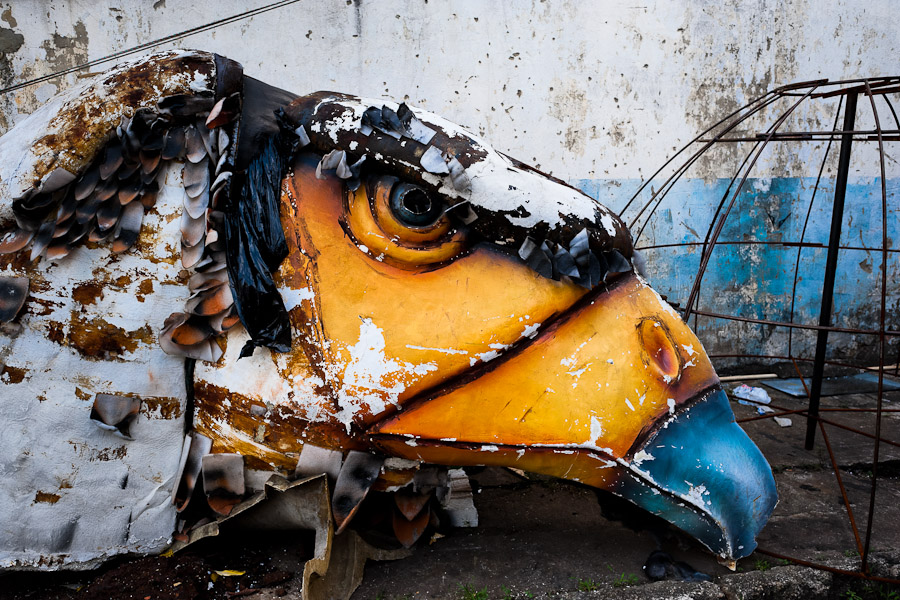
356 287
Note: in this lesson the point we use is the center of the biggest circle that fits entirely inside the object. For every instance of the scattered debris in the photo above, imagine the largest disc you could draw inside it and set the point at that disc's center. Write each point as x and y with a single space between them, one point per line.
753 396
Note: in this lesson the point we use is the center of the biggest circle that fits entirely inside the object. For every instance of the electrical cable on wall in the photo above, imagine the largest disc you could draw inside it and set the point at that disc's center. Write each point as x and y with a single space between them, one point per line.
152 44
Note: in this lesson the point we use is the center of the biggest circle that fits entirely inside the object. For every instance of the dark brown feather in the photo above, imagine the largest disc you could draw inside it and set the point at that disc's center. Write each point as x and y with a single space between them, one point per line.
87 183
112 159
106 188
129 190
108 213
13 293
42 238
129 227
87 209
173 144
15 240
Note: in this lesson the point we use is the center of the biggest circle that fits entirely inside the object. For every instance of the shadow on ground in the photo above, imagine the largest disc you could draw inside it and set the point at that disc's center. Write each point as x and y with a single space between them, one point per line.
541 538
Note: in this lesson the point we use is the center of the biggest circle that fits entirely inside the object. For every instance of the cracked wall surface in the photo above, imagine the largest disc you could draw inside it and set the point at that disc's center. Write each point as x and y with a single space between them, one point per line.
595 93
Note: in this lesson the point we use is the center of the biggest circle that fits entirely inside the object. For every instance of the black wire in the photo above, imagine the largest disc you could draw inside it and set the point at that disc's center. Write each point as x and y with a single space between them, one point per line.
153 44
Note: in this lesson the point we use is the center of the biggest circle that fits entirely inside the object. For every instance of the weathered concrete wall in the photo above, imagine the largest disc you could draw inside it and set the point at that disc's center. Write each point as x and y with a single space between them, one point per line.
598 93
583 89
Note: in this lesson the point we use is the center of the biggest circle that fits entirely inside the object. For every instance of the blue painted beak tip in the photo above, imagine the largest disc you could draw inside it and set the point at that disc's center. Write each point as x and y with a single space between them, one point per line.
703 474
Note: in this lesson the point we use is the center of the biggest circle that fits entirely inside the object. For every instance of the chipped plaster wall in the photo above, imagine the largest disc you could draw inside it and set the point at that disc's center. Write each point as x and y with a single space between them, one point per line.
598 93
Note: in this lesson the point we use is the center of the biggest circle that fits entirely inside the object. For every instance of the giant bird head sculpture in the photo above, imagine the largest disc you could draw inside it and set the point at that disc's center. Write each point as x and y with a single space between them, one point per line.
421 295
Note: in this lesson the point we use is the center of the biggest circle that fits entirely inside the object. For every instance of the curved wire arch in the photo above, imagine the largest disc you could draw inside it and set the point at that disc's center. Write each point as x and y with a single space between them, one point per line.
640 212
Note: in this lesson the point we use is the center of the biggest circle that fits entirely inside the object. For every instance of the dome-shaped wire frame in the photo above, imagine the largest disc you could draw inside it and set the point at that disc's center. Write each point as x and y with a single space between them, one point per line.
794 261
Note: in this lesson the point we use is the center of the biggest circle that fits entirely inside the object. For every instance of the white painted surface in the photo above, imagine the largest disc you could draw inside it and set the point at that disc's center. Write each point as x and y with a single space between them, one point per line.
54 461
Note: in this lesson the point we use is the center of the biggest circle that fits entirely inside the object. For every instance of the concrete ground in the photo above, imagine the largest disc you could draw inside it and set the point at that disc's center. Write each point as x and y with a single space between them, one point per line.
543 538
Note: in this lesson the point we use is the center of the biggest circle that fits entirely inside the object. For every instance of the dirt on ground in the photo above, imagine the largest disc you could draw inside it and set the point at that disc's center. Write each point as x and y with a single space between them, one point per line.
543 538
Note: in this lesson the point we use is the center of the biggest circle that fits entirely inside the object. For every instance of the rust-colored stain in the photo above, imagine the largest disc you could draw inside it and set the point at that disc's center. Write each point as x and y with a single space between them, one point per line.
46 497
19 262
285 431
151 240
209 401
96 338
40 307
144 288
87 293
109 454
83 395
56 332
122 281
253 457
98 454
12 374
161 407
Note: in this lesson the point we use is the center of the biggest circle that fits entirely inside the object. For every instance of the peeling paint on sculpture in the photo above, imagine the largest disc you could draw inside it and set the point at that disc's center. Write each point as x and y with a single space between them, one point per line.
423 299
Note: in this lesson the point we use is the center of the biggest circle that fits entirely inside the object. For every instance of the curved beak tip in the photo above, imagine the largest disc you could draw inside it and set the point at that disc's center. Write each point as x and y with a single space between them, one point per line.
702 473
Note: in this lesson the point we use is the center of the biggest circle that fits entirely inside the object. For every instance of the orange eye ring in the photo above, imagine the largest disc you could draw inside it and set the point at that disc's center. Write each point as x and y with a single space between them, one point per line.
376 231
389 224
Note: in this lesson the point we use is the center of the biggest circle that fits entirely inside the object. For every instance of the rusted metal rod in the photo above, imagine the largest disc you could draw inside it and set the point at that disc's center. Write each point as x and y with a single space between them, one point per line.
786 243
822 567
713 315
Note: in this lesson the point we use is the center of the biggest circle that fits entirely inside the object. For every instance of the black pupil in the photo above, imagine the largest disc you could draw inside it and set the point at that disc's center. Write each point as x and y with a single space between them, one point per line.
412 205
416 202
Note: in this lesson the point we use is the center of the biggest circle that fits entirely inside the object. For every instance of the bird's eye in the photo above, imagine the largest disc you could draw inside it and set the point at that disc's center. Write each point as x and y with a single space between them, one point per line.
401 224
412 205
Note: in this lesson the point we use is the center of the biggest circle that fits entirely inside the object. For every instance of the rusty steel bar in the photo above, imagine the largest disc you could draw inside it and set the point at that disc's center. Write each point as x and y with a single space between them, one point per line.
796 366
858 409
721 223
769 415
837 474
882 339
714 230
802 412
897 124
823 420
807 136
821 567
762 243
698 282
674 177
820 328
812 201
858 431
685 147
151 44
833 363
857 90
854 137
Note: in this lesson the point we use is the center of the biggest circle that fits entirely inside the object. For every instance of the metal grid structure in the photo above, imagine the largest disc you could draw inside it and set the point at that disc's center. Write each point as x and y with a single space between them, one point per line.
822 138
